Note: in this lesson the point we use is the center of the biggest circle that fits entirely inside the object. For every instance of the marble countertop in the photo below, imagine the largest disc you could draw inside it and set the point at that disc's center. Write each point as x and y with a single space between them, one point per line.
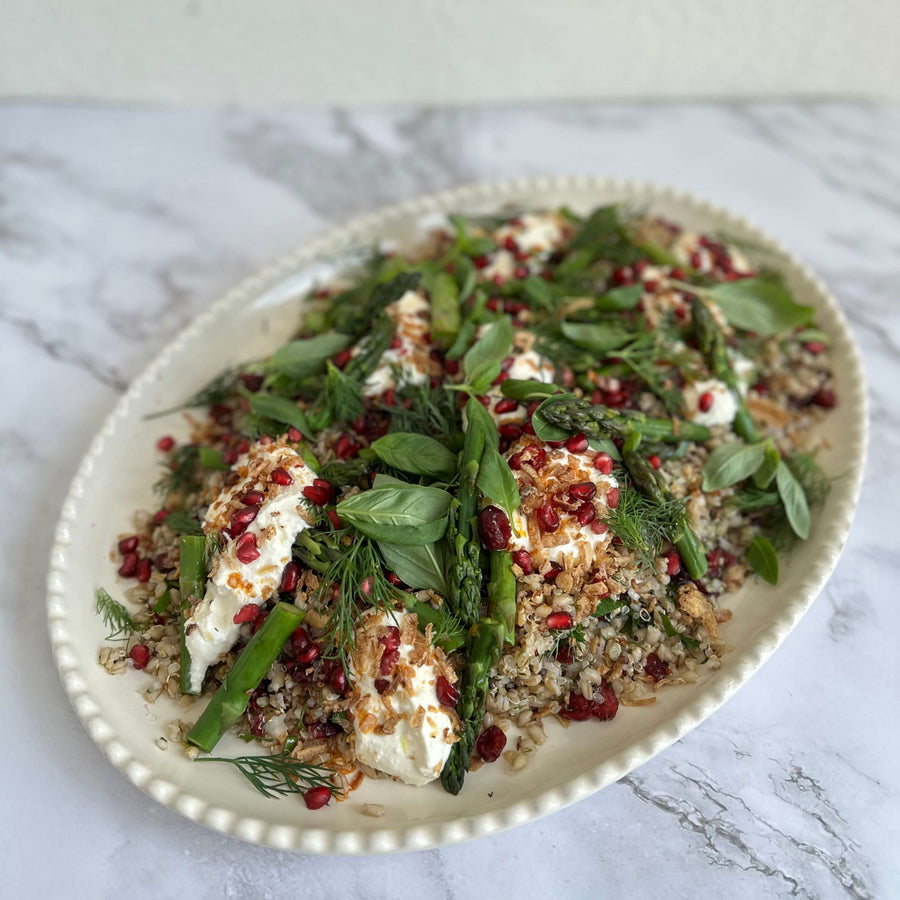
117 226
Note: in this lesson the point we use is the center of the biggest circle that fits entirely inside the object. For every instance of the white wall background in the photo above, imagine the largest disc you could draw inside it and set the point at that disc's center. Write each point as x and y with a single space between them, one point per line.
251 52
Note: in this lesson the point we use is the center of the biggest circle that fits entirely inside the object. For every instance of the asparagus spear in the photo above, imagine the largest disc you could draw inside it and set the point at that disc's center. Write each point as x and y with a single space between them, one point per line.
647 480
597 422
502 593
191 583
249 669
712 345
445 311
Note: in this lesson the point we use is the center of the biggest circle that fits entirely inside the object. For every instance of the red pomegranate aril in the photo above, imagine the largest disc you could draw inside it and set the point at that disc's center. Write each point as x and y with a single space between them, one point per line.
341 359
389 659
493 304
565 655
559 621
300 640
247 613
510 431
607 706
521 272
334 518
259 620
677 274
650 285
578 443
253 498
394 579
616 399
522 558
825 398
696 260
246 549
144 569
673 562
229 457
547 517
451 366
129 566
612 498
494 528
128 545
317 797
623 276
655 667
584 490
281 476
160 516
140 655
511 245
318 495
599 527
585 514
165 444
506 405
815 347
337 681
552 572
241 519
577 709
390 640
320 731
654 461
220 414
490 743
346 447
294 435
705 402
603 463
447 694
308 655
382 684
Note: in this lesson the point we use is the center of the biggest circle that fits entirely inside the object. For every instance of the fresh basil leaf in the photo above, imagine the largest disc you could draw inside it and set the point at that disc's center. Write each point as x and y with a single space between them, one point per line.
602 224
421 567
761 306
412 514
544 429
416 453
463 339
280 409
538 292
794 499
478 419
497 482
763 559
305 357
162 604
812 334
471 244
763 476
483 376
607 606
605 445
732 463
493 346
526 389
445 309
465 273
210 458
596 337
620 298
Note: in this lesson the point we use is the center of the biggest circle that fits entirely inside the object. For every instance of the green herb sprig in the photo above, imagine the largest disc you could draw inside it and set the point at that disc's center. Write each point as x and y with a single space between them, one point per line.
276 776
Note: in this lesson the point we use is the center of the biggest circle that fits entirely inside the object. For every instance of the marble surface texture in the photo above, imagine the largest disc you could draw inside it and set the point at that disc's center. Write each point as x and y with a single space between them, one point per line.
117 226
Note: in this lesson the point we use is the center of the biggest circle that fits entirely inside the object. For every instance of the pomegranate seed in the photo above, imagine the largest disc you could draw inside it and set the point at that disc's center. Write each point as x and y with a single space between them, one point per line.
503 376
299 640
481 262
341 359
394 579
506 405
498 279
220 414
511 245
577 709
565 655
696 260
616 398
230 457
160 516
578 443
338 682
389 659
705 402
490 743
493 304
654 461
585 514
520 271
346 447
319 731
522 558
247 613
144 568
810 346
258 622
547 518
317 797
294 435
612 498
608 705
494 528
129 566
451 366
253 498
390 640
281 476
599 527
673 562
677 274
584 490
165 443
559 621
552 572
318 495
623 276
252 382
825 398
510 431
528 428
162 562
140 655
655 667
128 545
719 559
603 463
308 655
650 285
266 439
447 694
334 518
381 685
246 549
241 519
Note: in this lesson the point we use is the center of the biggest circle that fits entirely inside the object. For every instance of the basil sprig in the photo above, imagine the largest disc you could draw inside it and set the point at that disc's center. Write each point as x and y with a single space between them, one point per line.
599 338
481 364
731 463
422 566
793 497
280 409
398 513
416 453
496 481
763 559
302 358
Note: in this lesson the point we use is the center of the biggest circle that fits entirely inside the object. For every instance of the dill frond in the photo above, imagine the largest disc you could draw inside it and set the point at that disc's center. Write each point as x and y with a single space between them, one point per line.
115 617
275 776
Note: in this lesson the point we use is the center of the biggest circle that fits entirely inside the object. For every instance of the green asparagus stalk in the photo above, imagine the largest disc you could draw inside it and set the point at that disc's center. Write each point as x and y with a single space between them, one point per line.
711 341
648 481
575 414
445 312
249 669
191 583
502 593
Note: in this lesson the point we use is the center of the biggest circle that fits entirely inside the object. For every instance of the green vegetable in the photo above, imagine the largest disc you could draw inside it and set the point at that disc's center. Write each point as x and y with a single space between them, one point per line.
424 566
416 453
763 559
607 606
410 515
282 410
525 390
763 476
672 631
254 661
620 299
181 523
445 310
115 617
758 305
481 364
732 463
275 776
302 358
598 338
210 458
497 482
794 499
191 583
502 593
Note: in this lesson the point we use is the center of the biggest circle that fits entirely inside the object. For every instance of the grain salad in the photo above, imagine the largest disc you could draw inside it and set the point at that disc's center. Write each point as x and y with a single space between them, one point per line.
507 478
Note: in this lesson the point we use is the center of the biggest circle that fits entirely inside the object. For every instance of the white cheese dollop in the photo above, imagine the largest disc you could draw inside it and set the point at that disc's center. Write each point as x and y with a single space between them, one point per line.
415 754
535 232
210 630
721 411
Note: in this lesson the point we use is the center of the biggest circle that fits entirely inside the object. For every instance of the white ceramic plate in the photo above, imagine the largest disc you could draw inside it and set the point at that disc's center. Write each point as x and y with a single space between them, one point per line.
116 477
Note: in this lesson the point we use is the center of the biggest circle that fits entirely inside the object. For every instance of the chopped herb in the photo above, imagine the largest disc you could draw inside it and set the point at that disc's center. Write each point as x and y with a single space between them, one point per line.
115 617
275 776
